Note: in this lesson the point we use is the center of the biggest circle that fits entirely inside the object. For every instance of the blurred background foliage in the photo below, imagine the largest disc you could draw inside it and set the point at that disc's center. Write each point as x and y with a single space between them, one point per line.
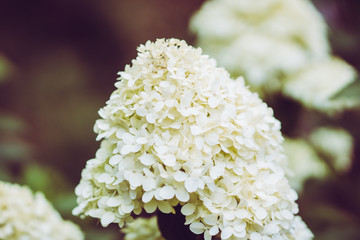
58 65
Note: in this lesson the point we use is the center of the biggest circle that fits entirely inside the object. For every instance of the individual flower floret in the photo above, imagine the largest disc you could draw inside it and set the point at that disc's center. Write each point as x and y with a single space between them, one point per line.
263 40
142 229
178 131
335 144
24 215
303 162
316 84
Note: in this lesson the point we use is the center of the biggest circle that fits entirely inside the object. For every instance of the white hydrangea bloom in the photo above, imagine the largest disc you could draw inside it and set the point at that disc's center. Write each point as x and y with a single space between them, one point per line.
316 84
263 40
142 229
299 230
28 216
335 144
303 162
178 130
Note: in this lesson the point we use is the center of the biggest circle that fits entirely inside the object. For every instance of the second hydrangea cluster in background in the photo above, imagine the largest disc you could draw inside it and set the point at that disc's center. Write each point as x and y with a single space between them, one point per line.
278 46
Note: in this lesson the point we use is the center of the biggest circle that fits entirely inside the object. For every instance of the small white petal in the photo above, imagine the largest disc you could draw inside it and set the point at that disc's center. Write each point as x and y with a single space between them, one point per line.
169 160
196 130
191 185
182 195
115 159
207 235
260 213
240 227
214 230
150 118
199 143
180 176
135 179
255 236
141 111
105 178
149 184
211 219
287 214
167 192
197 227
147 159
271 228
226 233
213 102
161 150
141 140
212 139
107 218
229 215
114 201
188 209
127 208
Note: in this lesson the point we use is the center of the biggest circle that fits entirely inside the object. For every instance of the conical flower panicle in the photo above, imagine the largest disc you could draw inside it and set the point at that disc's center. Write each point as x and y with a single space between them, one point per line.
178 130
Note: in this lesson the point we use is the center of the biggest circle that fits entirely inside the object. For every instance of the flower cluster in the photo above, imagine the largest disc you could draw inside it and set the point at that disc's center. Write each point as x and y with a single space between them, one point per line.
263 40
179 130
24 215
335 144
142 228
316 84
278 45
303 162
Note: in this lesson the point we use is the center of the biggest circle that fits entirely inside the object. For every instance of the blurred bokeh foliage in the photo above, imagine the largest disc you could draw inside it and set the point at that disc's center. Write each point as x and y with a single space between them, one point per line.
58 64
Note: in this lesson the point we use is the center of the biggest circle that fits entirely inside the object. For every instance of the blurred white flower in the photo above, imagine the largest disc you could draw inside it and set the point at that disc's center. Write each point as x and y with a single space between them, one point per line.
28 216
178 130
142 229
262 40
304 163
336 144
316 84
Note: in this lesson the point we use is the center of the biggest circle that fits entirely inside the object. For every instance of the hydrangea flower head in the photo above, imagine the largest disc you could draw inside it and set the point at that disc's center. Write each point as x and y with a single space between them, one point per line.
263 40
304 162
335 144
24 215
179 131
316 84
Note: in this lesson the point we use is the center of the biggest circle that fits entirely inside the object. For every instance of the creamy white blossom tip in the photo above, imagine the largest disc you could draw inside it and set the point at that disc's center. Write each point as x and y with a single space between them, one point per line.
24 215
179 131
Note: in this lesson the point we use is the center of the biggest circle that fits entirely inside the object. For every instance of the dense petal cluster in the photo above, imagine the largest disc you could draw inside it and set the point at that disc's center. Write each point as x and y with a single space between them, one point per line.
24 215
336 145
263 40
179 130
142 229
316 84
303 162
